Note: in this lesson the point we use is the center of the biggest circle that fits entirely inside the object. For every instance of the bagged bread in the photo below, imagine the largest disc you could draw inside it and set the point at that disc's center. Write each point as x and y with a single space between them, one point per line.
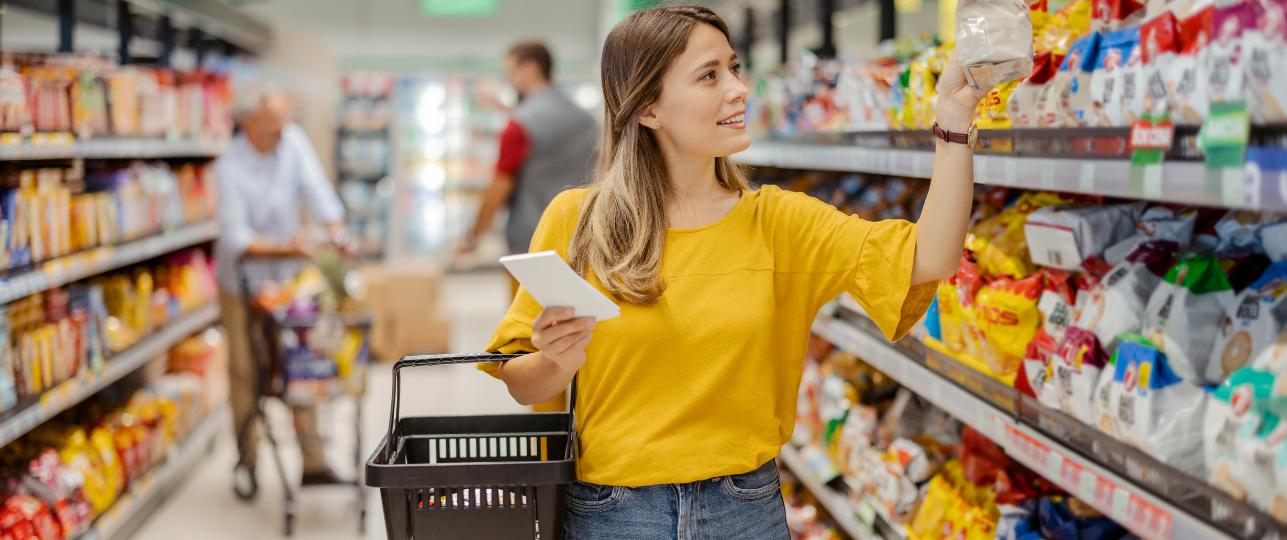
1068 233
1075 369
1184 313
1117 304
1106 81
1266 53
1158 48
1232 422
1009 318
1073 82
1256 318
1156 410
1186 83
993 41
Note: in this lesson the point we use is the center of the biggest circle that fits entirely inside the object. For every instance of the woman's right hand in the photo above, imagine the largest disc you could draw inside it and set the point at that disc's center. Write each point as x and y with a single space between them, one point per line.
562 338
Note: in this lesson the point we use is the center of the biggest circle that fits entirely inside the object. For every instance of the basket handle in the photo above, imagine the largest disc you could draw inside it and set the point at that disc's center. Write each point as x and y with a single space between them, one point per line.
422 361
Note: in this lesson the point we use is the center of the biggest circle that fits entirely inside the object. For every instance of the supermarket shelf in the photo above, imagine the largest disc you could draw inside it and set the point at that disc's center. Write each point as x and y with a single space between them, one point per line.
111 148
1139 510
73 391
1183 182
834 502
137 503
64 270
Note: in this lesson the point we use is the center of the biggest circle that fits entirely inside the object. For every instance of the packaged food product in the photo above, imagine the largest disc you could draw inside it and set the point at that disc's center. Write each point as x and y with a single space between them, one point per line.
1057 303
1232 421
1075 369
1065 25
1158 47
1106 84
949 315
999 243
1075 104
994 110
968 283
1131 89
1185 85
1155 410
1226 69
993 41
1111 15
1117 304
1009 319
1068 233
1266 53
1022 104
1183 314
1254 321
1034 377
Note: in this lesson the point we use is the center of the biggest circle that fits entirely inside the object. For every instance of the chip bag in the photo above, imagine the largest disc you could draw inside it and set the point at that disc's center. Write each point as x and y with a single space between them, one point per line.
994 111
1184 313
1266 53
1075 105
1185 84
999 243
1158 48
949 315
1068 233
1075 369
1156 411
1009 319
1022 105
1226 64
1117 304
1252 324
1231 421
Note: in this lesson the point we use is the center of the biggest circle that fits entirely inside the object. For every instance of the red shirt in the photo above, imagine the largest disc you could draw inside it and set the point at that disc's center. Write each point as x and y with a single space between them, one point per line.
513 149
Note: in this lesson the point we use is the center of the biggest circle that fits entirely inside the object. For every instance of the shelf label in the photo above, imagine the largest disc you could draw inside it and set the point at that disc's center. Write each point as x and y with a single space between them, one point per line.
1087 486
1054 466
1087 180
1048 174
1146 134
916 166
1011 171
1121 506
1233 183
1153 180
981 169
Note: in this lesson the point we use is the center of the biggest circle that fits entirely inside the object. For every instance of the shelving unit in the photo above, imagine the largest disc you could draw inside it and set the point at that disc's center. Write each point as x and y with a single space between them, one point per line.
834 502
1093 474
127 513
77 266
112 148
62 397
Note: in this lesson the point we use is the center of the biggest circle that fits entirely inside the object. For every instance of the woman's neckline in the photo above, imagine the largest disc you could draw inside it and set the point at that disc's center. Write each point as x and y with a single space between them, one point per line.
741 197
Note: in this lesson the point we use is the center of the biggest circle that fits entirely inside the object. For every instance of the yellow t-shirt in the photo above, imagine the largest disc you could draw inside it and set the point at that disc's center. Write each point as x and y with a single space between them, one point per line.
704 383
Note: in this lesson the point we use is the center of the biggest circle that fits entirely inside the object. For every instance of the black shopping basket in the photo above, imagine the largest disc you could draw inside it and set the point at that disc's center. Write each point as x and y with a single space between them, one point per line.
498 477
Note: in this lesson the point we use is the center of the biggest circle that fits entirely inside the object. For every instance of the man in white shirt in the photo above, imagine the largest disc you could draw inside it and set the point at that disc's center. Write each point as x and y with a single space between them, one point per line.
268 171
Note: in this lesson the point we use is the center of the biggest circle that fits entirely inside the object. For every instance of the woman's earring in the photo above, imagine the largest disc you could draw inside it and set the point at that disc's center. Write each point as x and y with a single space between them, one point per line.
658 124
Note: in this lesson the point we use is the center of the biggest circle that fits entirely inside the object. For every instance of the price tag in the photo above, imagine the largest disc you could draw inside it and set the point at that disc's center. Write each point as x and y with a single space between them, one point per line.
1153 181
1048 174
1051 245
1087 180
1054 466
980 169
916 166
1121 506
1086 486
1011 171
1233 186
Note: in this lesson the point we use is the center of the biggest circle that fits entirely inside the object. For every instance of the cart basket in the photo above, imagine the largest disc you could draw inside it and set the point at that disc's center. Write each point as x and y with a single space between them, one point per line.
497 477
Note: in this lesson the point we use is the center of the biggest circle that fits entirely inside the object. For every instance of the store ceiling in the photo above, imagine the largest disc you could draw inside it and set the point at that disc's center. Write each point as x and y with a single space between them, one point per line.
396 34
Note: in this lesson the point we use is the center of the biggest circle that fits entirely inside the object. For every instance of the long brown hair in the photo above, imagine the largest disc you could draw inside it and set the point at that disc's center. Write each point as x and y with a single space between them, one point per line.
621 231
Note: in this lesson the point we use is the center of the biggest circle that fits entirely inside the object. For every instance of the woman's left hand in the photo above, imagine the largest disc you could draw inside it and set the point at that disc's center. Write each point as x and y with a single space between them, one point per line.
957 98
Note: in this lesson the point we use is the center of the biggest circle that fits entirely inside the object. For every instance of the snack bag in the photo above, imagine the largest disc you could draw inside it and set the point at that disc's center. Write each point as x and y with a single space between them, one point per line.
1075 369
1068 233
1185 84
1057 304
949 315
1105 81
1034 377
1184 313
1065 26
993 41
994 111
1073 83
1156 411
1254 321
1241 229
1022 104
1231 421
1226 68
968 283
999 243
1242 267
1266 53
1009 318
1130 90
1111 15
1117 304
1158 48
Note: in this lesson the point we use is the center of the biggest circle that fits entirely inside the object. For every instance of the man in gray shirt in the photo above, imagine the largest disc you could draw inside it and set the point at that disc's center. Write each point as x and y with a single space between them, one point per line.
268 171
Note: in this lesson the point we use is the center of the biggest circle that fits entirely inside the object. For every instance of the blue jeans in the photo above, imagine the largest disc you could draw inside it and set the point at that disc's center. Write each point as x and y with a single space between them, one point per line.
745 506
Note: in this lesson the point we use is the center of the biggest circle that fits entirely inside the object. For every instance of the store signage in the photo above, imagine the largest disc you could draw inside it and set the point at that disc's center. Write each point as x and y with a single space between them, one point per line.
1146 134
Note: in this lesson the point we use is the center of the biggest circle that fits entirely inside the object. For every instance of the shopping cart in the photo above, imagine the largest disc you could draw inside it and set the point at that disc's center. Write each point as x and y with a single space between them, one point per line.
499 477
276 341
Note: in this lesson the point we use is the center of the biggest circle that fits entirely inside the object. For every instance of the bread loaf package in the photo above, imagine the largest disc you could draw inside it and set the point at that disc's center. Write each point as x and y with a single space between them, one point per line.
1251 324
1233 421
1184 313
993 41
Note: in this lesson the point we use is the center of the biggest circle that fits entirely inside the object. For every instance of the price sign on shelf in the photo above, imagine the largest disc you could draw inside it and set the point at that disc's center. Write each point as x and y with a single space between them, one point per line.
1048 174
1086 181
1011 172
1150 135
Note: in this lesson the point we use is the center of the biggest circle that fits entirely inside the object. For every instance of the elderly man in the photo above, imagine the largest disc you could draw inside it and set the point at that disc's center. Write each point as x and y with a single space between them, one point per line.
267 173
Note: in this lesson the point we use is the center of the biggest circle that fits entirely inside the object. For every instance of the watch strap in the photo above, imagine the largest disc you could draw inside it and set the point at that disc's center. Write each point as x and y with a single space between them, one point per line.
958 138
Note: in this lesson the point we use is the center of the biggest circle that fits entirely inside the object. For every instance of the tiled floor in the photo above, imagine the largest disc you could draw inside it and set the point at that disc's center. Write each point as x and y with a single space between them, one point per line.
205 508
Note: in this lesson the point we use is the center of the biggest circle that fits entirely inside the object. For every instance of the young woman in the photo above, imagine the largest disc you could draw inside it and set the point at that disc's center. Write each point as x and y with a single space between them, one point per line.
686 398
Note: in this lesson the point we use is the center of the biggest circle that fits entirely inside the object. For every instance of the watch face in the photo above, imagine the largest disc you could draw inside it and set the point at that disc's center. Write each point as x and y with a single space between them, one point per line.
972 136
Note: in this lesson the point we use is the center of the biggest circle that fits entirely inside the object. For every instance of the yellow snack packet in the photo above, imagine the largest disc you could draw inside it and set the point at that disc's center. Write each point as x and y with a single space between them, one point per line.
1009 318
994 111
949 315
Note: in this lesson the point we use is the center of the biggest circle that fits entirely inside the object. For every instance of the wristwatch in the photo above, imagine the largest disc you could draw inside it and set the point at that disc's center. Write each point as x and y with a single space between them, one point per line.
970 138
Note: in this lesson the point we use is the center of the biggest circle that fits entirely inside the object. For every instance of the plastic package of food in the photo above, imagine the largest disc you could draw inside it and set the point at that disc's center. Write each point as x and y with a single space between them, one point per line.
999 242
994 41
1231 421
1117 304
1184 313
1107 98
1158 48
1266 53
1155 410
1022 104
1075 105
1068 233
1253 323
949 315
1112 15
1075 368
1009 319
994 109
1226 70
1186 86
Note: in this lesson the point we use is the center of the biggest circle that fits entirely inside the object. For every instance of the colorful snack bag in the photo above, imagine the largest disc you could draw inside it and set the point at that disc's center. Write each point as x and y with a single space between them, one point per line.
1073 83
1065 26
1068 233
968 283
1254 322
1157 223
1057 304
1184 313
999 242
1240 229
1075 369
1226 70
1112 15
1185 85
1231 421
949 315
1130 89
1117 304
994 111
1106 81
1009 318
1156 410
1158 48
1266 53
1242 267
1034 377
993 41
1022 104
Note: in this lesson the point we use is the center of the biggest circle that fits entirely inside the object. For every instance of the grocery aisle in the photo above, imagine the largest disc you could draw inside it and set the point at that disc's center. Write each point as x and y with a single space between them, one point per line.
203 507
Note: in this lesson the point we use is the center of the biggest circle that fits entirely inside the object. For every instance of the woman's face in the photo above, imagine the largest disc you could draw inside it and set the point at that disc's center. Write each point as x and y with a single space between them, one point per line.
702 108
